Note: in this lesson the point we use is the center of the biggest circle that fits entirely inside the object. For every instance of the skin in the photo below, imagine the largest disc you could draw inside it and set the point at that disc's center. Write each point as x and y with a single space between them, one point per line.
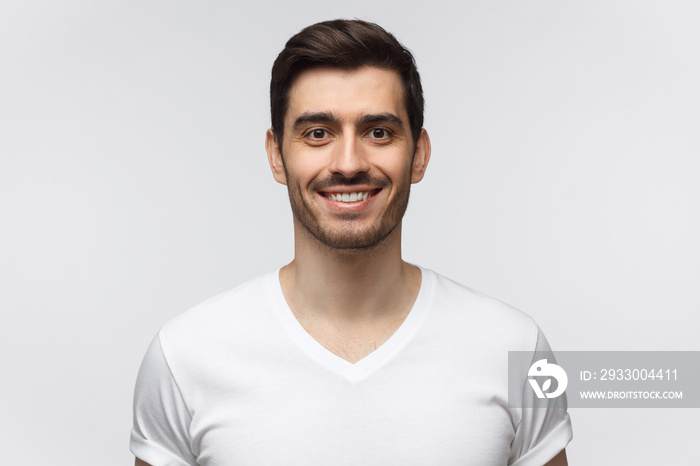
348 125
559 460
348 131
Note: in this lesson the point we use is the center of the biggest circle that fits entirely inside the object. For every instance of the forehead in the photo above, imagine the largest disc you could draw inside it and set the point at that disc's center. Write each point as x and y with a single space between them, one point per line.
346 93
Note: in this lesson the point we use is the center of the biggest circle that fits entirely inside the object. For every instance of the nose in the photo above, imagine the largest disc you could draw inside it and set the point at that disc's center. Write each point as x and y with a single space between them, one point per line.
349 158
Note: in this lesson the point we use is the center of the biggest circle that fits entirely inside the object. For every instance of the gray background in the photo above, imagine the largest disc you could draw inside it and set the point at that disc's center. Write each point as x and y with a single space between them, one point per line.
134 184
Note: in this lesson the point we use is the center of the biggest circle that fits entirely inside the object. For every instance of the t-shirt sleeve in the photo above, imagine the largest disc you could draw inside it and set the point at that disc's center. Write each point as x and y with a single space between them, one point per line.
160 435
543 431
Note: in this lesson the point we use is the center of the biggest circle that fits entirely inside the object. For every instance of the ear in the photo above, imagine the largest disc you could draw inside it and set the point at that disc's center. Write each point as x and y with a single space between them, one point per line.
274 157
421 157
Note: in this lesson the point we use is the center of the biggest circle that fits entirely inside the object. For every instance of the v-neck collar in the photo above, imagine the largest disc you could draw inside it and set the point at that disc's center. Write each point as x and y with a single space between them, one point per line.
373 361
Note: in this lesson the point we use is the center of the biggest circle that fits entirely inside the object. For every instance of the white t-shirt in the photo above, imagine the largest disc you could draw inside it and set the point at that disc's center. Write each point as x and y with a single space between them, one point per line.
237 381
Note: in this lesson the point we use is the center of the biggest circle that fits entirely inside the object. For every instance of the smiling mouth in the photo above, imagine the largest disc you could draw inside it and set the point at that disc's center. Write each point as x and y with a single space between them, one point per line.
357 196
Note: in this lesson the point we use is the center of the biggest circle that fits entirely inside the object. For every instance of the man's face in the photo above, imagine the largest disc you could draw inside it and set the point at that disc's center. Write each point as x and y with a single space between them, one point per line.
347 153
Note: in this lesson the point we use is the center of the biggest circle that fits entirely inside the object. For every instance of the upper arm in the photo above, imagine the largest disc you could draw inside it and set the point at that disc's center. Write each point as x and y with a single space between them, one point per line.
160 433
559 460
543 425
140 463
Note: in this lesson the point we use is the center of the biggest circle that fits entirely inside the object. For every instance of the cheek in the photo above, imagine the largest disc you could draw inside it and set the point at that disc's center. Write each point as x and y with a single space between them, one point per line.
399 172
301 176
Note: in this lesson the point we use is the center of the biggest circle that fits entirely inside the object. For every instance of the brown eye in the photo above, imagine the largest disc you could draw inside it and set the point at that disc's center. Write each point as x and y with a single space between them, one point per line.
379 133
318 134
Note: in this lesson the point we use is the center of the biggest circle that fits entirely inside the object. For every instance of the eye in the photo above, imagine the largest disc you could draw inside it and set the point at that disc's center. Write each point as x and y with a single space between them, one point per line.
379 133
318 134
318 137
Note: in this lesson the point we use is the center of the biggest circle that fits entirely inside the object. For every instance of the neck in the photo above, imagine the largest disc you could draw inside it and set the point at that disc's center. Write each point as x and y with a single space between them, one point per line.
349 286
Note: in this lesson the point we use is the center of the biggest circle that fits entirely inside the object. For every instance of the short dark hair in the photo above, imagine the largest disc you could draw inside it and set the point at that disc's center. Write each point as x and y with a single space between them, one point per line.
345 44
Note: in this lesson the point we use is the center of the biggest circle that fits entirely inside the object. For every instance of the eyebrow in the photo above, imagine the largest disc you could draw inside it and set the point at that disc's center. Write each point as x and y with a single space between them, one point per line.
328 117
314 117
381 118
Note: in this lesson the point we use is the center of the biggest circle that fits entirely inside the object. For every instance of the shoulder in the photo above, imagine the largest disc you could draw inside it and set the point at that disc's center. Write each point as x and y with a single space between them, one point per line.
228 318
483 317
234 304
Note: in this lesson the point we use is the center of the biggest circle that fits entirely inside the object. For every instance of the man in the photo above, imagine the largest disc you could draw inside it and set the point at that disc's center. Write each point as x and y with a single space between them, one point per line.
348 355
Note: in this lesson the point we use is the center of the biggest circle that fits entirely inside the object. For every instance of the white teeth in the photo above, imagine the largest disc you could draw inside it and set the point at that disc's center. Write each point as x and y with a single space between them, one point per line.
348 197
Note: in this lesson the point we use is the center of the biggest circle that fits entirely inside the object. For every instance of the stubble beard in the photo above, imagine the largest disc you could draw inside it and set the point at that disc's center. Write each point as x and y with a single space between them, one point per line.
348 237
